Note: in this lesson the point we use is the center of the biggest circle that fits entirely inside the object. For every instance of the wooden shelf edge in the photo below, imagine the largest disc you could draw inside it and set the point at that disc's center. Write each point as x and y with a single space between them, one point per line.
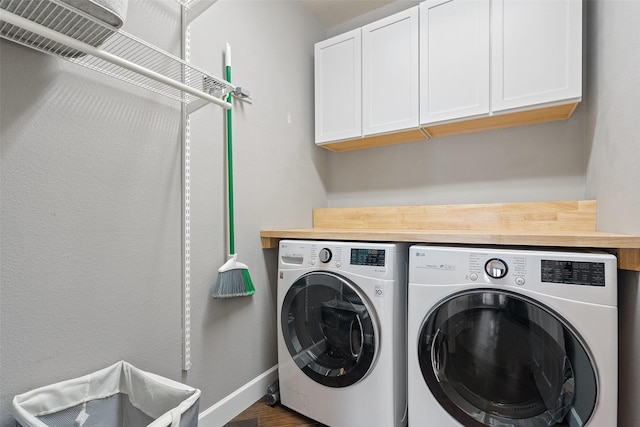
502 120
627 247
380 140
629 259
560 224
269 242
494 218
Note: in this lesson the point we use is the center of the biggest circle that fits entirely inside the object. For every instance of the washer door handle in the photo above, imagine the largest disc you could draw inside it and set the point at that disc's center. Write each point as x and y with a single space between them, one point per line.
435 361
359 333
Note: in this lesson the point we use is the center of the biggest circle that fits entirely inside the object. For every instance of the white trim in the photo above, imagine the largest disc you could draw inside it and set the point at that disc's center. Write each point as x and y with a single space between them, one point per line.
226 409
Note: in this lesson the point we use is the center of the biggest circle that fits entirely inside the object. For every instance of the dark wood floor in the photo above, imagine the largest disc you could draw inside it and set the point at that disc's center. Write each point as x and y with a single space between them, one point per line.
261 415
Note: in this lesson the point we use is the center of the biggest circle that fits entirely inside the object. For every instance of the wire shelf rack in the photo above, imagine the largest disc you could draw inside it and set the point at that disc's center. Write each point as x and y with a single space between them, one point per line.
57 28
188 3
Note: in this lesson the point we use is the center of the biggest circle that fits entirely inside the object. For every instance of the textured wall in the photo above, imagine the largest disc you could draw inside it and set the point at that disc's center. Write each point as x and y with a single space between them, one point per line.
540 162
613 136
613 174
90 203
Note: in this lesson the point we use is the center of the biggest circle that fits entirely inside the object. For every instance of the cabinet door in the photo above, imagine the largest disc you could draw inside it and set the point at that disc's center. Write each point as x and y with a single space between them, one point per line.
536 52
390 73
338 89
454 59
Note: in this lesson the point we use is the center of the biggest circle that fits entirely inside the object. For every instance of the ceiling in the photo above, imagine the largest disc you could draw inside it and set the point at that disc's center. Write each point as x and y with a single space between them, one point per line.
335 12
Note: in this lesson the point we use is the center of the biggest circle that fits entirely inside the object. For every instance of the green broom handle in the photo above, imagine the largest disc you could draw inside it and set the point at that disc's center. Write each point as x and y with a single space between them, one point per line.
232 248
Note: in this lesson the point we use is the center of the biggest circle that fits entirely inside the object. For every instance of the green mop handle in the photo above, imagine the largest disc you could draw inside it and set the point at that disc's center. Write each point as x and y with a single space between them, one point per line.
232 248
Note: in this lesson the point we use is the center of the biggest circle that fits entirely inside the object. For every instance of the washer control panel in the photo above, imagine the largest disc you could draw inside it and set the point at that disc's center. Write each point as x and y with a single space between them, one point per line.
572 272
471 265
491 267
372 259
580 275
509 267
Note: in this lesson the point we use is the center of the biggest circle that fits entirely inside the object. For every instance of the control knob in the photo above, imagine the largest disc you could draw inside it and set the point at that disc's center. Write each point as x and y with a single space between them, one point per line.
325 255
496 268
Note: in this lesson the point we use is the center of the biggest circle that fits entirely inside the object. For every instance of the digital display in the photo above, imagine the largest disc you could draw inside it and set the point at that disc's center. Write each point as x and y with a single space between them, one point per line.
573 272
372 257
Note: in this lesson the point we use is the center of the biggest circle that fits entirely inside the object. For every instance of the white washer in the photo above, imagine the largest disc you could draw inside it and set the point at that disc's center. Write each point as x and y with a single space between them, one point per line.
510 337
342 332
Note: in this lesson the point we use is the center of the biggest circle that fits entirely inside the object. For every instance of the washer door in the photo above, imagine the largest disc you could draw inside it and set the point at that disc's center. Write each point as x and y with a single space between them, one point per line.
497 358
329 329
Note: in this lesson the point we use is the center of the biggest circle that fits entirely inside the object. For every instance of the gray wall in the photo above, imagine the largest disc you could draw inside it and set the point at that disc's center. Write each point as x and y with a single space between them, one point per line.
613 172
531 163
90 203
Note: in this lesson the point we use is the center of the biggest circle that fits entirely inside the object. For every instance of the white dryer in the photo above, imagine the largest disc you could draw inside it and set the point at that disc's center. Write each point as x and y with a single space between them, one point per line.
342 332
509 337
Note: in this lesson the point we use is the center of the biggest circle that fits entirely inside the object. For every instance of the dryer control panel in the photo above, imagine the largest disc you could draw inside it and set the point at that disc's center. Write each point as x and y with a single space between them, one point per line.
370 259
367 256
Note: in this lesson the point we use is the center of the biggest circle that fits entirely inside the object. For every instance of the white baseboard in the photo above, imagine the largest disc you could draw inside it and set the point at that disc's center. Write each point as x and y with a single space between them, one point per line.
228 408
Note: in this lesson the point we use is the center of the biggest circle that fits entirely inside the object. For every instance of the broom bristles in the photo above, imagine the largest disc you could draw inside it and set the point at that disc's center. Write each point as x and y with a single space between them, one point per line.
233 280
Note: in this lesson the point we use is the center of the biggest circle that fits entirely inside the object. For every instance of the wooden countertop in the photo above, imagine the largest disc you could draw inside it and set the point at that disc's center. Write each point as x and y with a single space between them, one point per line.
550 224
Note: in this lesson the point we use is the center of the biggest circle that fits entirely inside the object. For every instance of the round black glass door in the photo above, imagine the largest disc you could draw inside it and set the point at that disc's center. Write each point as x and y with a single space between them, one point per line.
494 358
329 330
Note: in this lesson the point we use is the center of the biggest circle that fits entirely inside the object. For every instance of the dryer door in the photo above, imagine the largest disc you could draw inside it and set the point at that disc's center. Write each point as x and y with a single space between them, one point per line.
329 329
492 358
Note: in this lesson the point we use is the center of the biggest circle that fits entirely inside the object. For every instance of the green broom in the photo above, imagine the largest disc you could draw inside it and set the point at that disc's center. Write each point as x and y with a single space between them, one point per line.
233 277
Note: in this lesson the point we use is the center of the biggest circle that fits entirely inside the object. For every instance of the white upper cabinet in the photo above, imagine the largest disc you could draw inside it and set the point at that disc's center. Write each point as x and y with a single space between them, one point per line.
338 87
448 67
454 59
536 52
390 91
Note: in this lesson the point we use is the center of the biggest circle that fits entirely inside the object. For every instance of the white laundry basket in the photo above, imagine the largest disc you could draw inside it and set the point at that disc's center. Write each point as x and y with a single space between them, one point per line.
118 396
